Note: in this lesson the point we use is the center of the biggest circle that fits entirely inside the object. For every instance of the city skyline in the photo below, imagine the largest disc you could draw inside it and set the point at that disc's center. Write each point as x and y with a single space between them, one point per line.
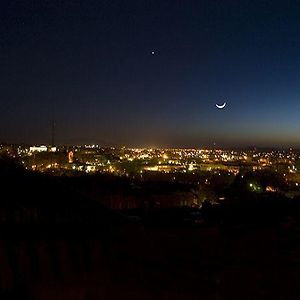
148 73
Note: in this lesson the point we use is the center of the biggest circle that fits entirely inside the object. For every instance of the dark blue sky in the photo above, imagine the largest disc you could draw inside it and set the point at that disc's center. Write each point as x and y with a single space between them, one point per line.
90 64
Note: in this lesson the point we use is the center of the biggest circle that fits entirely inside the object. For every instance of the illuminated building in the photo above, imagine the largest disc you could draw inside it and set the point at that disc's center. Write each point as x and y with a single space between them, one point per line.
70 157
38 149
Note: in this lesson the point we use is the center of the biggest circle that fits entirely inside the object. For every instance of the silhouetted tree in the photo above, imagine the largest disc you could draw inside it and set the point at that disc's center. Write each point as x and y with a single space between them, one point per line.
203 193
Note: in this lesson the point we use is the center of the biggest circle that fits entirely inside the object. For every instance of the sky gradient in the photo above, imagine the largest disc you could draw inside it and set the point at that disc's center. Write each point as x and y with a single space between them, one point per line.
88 65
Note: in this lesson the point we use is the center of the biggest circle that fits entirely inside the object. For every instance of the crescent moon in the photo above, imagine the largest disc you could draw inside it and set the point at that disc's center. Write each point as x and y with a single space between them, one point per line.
221 106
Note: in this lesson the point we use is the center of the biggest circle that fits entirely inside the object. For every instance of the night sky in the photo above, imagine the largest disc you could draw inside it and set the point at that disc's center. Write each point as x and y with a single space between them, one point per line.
89 65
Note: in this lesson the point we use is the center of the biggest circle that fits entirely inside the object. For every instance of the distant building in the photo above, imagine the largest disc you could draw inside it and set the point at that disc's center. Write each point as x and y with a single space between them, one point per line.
70 157
38 149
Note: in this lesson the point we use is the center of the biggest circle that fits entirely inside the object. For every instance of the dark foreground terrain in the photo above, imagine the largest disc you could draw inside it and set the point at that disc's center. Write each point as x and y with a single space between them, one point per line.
181 263
56 244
